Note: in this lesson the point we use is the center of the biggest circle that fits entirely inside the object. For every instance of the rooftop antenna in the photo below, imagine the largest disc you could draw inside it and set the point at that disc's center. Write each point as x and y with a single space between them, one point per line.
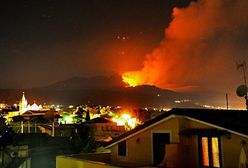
227 101
242 89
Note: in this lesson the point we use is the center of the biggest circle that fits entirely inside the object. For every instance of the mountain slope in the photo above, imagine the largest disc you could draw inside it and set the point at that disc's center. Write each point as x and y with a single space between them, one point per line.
96 90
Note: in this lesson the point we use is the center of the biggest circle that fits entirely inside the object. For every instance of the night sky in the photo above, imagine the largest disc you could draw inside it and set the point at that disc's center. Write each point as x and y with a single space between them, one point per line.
45 41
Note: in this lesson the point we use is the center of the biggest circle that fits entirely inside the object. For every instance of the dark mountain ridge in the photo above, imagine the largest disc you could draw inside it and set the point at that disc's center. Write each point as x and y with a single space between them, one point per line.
95 90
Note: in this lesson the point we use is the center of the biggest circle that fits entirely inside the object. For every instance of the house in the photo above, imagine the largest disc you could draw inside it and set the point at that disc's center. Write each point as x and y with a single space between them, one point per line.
181 138
103 129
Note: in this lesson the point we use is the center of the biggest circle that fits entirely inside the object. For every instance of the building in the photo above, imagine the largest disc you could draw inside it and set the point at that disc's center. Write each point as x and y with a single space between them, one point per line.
26 111
24 106
103 129
180 138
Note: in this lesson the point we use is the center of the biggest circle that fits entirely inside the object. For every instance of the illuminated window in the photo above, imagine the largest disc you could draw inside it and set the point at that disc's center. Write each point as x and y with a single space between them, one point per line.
210 152
122 148
205 159
215 152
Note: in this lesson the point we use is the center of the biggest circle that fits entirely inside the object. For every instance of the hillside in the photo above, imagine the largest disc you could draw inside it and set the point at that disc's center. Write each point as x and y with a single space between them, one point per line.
97 90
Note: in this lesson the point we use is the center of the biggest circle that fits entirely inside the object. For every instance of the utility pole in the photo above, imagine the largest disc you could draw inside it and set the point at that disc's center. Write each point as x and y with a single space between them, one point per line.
227 102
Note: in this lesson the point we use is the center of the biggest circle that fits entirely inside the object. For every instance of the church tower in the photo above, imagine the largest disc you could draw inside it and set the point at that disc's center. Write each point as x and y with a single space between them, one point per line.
23 104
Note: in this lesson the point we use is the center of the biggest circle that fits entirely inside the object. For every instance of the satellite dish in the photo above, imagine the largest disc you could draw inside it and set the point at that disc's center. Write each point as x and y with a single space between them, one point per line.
13 154
241 90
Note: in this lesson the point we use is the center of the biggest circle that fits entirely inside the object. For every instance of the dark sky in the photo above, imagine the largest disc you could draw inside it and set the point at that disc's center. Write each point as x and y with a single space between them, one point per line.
43 41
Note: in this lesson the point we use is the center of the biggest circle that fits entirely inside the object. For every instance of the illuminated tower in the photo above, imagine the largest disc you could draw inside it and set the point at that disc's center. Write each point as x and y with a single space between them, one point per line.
23 104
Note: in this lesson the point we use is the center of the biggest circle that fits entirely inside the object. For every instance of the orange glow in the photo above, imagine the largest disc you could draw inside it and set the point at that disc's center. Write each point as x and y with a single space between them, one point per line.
131 80
126 120
148 75
205 159
215 152
187 59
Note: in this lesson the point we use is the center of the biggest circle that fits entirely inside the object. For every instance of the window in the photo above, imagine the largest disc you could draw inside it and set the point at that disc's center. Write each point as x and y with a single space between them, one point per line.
122 148
209 152
205 159
215 152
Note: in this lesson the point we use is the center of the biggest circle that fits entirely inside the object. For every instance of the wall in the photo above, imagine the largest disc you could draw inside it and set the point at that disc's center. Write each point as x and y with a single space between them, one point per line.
99 157
230 145
70 162
139 147
102 131
140 152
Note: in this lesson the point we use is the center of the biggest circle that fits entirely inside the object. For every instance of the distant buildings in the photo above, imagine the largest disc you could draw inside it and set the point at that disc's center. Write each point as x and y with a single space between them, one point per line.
26 110
104 130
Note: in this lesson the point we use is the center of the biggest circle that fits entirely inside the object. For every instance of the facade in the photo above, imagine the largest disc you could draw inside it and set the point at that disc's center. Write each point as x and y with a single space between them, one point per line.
185 138
101 160
103 129
26 110
24 106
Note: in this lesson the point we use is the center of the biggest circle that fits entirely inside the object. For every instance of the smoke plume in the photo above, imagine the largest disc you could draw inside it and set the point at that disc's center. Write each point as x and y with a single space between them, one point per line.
201 46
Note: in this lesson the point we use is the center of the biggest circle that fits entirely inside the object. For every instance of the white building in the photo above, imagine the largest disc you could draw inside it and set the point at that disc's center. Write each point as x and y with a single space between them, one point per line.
24 106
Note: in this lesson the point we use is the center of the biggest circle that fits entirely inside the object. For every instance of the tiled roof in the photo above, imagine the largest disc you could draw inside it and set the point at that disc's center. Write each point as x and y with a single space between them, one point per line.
235 120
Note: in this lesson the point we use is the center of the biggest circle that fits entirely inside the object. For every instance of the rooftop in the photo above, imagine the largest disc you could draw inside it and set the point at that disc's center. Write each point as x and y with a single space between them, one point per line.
235 120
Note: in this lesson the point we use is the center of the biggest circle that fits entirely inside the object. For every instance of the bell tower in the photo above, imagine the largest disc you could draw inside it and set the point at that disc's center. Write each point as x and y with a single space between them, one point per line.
23 104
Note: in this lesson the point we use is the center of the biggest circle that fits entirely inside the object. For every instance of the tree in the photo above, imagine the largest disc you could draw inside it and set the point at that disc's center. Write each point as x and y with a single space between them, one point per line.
57 117
6 137
87 118
76 143
88 140
83 141
2 122
80 112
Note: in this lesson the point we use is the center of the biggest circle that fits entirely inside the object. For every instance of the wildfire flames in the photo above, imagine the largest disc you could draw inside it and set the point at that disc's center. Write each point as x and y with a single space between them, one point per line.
131 80
126 120
199 47
149 75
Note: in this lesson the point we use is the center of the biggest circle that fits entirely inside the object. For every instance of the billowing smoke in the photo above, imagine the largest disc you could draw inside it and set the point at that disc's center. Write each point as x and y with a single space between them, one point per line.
201 47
